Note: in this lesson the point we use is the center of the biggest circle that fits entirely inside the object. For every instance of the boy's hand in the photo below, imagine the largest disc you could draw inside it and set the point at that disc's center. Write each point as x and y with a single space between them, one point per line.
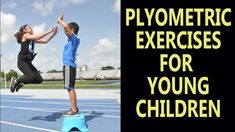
61 17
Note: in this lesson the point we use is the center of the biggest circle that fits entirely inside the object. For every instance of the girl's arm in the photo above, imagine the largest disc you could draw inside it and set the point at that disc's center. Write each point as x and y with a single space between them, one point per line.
36 36
67 30
45 40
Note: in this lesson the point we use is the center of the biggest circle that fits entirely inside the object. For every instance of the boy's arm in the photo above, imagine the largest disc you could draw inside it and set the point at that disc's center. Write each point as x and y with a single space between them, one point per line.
67 30
45 40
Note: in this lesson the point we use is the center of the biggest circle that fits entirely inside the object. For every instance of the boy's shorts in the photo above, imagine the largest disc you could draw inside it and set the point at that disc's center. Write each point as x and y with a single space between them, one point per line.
69 75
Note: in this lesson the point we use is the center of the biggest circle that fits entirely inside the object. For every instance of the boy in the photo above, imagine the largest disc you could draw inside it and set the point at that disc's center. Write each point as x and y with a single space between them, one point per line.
69 66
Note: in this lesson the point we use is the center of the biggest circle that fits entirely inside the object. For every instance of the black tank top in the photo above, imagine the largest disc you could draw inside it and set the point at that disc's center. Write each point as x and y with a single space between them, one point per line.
25 49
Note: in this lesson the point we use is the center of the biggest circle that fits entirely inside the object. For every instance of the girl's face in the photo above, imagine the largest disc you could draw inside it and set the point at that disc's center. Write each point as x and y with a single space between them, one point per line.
28 29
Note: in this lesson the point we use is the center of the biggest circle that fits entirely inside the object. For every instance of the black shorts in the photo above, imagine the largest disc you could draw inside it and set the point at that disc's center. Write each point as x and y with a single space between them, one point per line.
69 75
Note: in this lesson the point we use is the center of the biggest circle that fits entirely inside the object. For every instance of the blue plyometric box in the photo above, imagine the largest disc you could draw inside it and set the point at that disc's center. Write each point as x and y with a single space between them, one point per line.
71 122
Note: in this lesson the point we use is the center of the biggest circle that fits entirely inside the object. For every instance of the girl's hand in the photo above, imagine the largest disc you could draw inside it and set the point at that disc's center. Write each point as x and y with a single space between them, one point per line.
51 29
55 30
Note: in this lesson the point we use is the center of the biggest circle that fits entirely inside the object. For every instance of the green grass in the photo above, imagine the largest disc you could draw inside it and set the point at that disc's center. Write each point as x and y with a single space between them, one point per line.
79 84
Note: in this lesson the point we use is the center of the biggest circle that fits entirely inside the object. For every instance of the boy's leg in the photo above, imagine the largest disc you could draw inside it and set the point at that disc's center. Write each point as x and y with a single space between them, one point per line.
73 100
69 74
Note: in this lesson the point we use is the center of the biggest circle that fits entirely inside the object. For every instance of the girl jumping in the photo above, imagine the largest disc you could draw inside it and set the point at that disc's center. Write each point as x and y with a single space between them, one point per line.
27 39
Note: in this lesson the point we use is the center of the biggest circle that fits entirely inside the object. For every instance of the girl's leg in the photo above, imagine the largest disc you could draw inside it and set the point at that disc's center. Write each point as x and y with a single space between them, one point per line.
27 70
31 75
37 77
28 76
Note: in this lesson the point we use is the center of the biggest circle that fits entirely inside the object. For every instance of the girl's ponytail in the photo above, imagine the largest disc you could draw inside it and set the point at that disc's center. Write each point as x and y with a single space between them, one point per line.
20 34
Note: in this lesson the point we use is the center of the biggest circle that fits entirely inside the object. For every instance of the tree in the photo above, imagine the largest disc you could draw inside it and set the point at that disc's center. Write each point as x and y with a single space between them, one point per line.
11 74
108 68
2 74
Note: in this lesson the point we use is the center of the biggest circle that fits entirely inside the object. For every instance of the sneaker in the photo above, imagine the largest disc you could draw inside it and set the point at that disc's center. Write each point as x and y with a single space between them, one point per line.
18 86
71 113
12 84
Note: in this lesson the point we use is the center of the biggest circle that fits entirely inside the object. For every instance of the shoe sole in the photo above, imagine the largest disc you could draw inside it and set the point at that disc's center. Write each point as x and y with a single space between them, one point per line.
12 81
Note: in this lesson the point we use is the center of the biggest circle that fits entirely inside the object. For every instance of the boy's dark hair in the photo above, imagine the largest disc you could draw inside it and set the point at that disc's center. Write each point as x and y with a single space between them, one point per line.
74 26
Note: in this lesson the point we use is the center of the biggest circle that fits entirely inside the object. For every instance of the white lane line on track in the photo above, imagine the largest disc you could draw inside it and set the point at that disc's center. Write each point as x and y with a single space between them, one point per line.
25 126
26 108
91 112
102 115
57 109
57 103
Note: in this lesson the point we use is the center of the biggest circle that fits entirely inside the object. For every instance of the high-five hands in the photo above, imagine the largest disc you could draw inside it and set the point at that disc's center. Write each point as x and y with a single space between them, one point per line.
55 30
61 17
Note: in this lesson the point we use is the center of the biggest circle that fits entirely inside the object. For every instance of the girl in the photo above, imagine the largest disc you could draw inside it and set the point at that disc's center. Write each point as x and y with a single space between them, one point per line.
26 38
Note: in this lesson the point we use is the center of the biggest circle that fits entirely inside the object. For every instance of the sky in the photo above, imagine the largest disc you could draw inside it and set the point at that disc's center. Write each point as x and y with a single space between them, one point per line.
99 33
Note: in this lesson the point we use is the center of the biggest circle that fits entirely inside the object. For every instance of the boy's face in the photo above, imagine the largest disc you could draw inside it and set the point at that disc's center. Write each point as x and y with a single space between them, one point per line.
71 28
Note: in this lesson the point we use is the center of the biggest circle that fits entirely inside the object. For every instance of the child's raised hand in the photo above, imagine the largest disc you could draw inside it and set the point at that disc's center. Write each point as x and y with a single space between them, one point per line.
60 17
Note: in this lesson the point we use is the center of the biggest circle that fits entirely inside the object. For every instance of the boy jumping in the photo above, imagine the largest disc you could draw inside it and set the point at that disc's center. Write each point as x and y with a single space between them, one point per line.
69 65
